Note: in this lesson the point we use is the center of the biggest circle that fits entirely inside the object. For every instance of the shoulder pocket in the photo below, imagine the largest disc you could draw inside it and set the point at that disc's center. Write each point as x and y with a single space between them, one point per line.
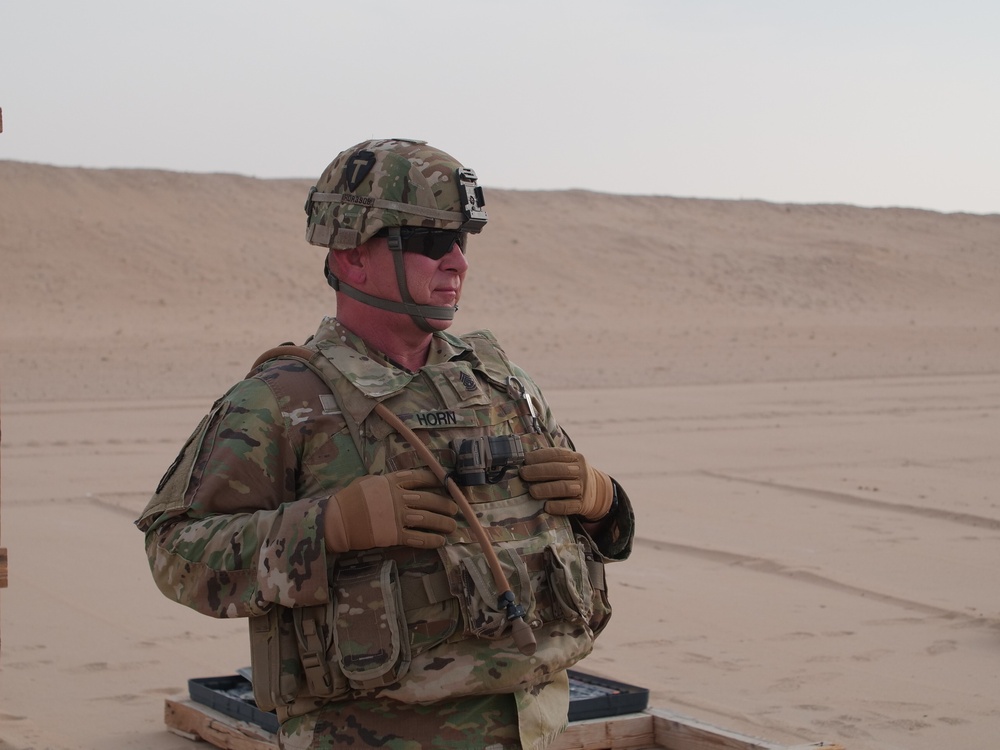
169 495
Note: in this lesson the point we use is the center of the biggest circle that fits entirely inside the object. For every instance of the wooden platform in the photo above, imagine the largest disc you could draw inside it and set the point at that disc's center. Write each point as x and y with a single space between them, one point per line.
652 729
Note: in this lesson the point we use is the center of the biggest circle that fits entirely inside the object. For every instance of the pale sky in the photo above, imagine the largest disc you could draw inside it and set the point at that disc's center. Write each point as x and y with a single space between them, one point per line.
871 103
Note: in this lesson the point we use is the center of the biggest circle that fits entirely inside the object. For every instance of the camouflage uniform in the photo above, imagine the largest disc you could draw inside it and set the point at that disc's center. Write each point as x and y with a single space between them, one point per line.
394 647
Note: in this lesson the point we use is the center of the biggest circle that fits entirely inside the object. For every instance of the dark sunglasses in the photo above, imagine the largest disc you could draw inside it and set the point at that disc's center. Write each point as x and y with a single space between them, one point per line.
433 243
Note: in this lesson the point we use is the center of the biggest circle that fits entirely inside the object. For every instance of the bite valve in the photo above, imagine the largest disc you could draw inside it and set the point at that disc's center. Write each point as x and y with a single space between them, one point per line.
524 638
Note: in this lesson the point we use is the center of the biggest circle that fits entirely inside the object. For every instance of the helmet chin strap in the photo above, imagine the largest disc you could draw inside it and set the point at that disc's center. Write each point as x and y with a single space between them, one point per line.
419 314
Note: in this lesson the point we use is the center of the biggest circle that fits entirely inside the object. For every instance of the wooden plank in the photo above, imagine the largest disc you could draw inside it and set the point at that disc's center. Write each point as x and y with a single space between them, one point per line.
673 731
627 732
190 719
653 729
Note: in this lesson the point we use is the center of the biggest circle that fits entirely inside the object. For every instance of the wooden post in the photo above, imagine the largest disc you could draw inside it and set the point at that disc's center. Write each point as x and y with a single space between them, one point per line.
3 550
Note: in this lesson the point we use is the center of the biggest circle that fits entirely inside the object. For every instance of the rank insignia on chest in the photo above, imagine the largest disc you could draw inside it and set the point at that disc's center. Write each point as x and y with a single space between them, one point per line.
468 381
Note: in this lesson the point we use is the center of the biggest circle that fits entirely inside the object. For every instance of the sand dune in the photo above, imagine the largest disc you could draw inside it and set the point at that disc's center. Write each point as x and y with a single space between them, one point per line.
802 400
145 266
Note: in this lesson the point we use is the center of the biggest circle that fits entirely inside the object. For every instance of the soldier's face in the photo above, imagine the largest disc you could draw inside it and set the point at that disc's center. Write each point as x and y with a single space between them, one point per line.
430 282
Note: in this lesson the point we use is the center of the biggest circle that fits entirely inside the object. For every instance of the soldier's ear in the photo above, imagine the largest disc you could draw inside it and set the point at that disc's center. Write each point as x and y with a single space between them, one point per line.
351 266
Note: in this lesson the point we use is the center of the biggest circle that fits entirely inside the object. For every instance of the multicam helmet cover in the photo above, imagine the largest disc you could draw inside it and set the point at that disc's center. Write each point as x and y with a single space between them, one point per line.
386 185
391 183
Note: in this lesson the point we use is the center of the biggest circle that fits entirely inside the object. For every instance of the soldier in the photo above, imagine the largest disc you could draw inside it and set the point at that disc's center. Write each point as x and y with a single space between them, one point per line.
320 496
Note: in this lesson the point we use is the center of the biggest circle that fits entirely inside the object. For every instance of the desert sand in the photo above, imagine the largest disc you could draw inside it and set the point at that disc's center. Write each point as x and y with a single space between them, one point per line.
802 401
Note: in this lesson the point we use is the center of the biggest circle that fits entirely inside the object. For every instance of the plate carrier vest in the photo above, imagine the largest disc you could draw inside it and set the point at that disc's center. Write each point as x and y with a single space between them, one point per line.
417 625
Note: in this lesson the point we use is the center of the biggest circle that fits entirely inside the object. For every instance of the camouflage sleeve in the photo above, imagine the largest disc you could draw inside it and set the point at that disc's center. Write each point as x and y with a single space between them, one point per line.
614 539
234 538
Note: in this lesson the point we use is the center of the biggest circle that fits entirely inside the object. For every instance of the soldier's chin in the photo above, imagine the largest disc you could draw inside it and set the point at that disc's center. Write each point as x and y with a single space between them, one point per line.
439 325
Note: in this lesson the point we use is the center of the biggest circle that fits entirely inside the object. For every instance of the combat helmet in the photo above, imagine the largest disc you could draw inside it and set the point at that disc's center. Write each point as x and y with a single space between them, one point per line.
379 187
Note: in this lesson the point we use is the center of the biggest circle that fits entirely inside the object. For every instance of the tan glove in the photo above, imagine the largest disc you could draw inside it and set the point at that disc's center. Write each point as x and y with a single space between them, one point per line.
389 510
569 486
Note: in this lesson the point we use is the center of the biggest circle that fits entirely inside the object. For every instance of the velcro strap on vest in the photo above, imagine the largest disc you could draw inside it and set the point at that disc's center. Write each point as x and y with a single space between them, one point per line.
422 591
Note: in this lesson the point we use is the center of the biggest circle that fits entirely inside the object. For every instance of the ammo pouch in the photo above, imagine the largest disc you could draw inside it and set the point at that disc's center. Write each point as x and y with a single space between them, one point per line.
564 593
358 642
552 583
304 656
370 635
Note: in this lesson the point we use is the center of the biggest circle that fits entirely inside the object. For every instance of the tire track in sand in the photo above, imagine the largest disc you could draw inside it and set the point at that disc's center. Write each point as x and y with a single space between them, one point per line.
768 566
